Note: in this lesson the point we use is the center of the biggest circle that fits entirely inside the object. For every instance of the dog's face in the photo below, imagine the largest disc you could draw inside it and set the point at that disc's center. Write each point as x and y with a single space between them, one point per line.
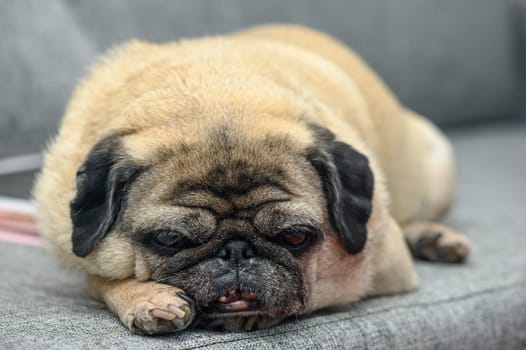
248 224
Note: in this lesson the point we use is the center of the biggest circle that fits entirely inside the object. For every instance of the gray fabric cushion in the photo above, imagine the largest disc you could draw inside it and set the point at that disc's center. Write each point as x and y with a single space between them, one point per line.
451 60
479 305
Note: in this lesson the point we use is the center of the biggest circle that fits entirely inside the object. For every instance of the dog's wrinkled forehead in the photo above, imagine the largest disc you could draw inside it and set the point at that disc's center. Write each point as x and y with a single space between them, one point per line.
229 187
228 164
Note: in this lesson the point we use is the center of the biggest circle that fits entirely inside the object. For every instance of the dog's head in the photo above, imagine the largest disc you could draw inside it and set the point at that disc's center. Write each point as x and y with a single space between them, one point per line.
252 224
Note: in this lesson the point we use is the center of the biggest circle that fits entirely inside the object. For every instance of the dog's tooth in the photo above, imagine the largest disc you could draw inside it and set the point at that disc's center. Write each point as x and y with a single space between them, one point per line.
237 305
222 299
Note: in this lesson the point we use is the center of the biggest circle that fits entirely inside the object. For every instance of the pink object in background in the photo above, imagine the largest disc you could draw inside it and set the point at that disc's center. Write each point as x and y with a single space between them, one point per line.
17 222
21 238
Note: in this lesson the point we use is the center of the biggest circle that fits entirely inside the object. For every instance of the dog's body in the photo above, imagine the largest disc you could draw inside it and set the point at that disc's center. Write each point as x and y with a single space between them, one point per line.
254 119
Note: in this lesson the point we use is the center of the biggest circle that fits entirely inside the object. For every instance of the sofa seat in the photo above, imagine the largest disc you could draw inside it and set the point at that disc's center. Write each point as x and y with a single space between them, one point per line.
478 305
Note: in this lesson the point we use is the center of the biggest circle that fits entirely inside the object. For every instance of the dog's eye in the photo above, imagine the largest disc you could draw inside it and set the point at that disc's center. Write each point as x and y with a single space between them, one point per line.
165 238
168 242
295 238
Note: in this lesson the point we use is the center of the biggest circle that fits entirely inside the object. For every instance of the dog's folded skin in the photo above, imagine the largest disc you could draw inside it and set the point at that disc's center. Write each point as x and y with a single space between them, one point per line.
241 179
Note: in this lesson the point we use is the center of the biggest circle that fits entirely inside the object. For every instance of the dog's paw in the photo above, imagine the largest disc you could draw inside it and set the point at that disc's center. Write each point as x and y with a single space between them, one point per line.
436 242
165 309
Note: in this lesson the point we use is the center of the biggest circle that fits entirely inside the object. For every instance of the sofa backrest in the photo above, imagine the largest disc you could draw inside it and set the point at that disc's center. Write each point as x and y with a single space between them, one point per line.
452 60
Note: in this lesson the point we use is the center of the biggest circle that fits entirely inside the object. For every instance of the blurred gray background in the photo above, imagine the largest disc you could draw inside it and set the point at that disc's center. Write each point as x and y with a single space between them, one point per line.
459 62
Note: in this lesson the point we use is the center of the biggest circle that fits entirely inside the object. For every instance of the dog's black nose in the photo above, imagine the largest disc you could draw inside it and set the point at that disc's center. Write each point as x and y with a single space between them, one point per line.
236 251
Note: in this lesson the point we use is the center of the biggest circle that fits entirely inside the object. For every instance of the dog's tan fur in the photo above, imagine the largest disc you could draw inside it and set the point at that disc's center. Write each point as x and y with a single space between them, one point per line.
264 81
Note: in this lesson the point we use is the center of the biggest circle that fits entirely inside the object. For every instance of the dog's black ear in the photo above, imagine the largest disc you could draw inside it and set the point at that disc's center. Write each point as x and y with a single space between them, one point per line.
348 183
102 182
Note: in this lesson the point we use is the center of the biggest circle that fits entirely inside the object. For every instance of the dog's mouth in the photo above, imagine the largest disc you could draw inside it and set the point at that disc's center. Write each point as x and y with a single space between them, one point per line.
234 302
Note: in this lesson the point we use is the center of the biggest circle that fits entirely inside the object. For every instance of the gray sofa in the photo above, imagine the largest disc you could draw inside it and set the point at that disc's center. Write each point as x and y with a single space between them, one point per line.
460 62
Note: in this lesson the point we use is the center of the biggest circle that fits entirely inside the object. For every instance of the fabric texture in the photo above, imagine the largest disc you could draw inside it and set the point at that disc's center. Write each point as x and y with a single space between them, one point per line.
451 60
478 305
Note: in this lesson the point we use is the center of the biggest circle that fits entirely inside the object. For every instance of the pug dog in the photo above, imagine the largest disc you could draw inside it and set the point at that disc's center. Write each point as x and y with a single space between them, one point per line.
230 182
